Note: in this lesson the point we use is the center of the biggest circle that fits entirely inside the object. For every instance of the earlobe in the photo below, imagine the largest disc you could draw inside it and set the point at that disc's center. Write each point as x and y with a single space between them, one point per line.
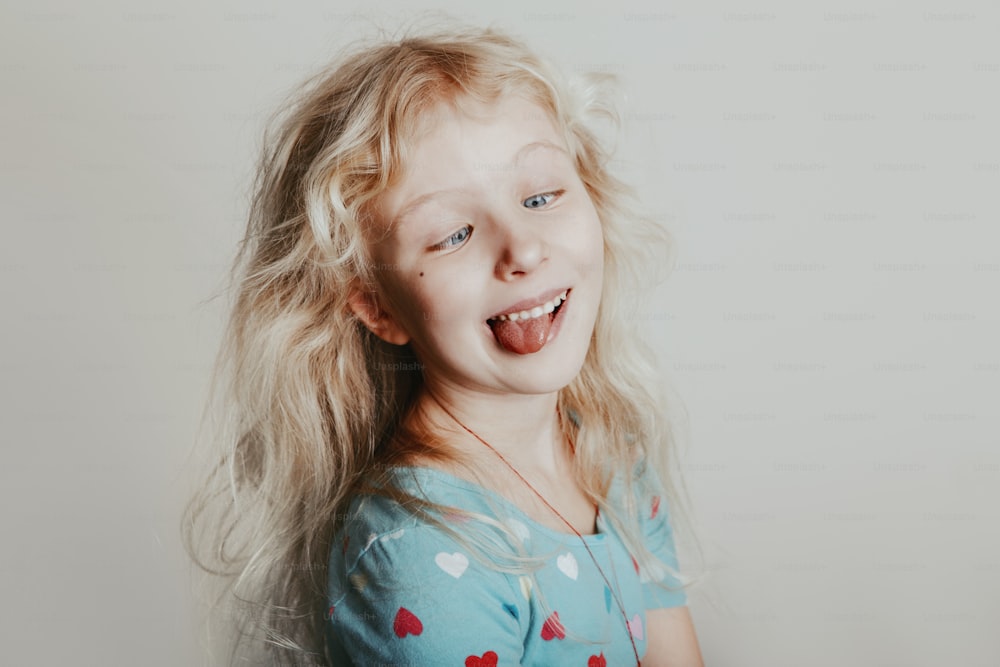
365 306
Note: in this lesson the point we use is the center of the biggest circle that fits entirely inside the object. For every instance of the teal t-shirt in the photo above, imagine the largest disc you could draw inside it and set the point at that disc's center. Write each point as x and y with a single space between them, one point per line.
404 592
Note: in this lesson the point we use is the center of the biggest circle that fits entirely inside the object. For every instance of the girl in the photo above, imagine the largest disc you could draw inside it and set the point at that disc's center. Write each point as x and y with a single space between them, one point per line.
444 440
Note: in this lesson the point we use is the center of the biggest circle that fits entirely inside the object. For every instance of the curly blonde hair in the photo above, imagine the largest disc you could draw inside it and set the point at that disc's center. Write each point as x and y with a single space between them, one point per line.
307 405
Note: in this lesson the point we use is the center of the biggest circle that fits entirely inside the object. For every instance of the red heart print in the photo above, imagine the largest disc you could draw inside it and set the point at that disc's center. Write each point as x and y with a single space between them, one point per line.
553 628
406 623
656 507
488 659
597 661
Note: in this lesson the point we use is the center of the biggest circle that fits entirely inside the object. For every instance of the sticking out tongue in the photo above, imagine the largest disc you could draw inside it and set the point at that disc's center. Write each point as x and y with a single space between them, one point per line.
523 336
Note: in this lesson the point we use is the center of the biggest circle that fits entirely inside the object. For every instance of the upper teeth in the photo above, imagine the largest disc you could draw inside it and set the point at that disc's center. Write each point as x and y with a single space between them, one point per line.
537 311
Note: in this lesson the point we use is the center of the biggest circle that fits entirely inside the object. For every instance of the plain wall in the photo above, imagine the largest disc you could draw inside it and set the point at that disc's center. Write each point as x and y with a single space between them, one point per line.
830 172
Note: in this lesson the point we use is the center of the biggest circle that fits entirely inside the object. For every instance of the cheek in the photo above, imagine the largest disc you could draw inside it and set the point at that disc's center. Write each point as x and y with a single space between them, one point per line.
436 303
407 299
453 284
592 243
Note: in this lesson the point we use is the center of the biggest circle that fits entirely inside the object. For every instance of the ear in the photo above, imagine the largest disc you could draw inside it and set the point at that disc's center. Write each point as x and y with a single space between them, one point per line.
365 306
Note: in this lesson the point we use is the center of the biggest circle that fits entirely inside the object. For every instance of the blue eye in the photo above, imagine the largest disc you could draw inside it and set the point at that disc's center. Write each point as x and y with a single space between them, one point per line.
536 201
455 239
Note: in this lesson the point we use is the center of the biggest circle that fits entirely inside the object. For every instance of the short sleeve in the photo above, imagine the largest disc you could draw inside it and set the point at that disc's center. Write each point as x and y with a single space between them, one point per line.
416 597
654 517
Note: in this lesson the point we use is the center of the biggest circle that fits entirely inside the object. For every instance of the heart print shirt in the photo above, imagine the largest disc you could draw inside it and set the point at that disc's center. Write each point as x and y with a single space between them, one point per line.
404 592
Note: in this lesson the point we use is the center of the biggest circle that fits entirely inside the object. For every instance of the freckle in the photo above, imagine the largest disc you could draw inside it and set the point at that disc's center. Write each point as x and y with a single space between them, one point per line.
421 274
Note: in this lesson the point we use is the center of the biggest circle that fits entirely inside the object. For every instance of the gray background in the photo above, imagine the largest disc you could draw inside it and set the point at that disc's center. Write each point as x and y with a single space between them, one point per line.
831 173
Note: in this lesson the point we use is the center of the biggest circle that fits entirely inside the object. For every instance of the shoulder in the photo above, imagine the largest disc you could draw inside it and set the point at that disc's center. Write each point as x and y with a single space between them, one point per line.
370 519
383 540
406 589
377 524
661 577
638 485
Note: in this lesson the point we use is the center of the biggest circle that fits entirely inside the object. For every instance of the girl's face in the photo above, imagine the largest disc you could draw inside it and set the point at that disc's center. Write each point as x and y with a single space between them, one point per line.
488 218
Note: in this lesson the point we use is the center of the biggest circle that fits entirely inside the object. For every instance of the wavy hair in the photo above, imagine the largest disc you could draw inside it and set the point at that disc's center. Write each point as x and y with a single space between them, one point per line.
306 406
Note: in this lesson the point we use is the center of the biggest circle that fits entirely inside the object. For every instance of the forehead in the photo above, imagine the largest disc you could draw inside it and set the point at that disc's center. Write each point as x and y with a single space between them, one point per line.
460 143
449 125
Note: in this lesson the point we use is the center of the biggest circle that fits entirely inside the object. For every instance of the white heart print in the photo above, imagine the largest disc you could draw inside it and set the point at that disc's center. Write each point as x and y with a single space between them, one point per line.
635 627
454 564
519 529
567 565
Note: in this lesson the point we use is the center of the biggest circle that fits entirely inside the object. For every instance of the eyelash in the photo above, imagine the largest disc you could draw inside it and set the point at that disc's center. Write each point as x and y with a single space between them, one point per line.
444 245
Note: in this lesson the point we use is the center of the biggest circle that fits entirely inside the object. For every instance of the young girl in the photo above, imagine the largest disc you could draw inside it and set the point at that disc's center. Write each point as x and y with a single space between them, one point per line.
444 441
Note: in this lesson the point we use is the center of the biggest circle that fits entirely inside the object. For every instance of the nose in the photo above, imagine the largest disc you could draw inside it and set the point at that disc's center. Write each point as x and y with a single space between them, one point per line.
522 247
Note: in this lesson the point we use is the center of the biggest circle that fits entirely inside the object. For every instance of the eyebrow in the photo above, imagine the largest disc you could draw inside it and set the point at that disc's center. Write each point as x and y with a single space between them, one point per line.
426 198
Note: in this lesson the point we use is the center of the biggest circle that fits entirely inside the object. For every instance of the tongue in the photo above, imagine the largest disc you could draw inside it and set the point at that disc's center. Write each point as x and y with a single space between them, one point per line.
523 336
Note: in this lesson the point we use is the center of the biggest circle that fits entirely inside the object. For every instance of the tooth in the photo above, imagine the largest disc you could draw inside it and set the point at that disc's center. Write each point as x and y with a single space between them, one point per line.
537 311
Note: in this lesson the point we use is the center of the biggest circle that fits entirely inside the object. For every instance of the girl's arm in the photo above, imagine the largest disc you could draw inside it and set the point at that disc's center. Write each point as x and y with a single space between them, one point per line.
671 639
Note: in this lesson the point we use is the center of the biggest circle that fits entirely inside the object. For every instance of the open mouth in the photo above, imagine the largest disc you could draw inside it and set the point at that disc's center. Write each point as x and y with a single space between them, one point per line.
527 332
546 308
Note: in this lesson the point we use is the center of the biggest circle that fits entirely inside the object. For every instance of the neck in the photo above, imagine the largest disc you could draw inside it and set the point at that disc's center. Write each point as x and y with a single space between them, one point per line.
523 428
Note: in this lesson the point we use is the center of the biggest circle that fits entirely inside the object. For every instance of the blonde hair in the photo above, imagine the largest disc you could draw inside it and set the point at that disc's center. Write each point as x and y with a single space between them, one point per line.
307 405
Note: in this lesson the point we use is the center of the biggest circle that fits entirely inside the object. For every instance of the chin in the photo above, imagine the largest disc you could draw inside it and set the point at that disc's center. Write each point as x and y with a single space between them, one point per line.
549 374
